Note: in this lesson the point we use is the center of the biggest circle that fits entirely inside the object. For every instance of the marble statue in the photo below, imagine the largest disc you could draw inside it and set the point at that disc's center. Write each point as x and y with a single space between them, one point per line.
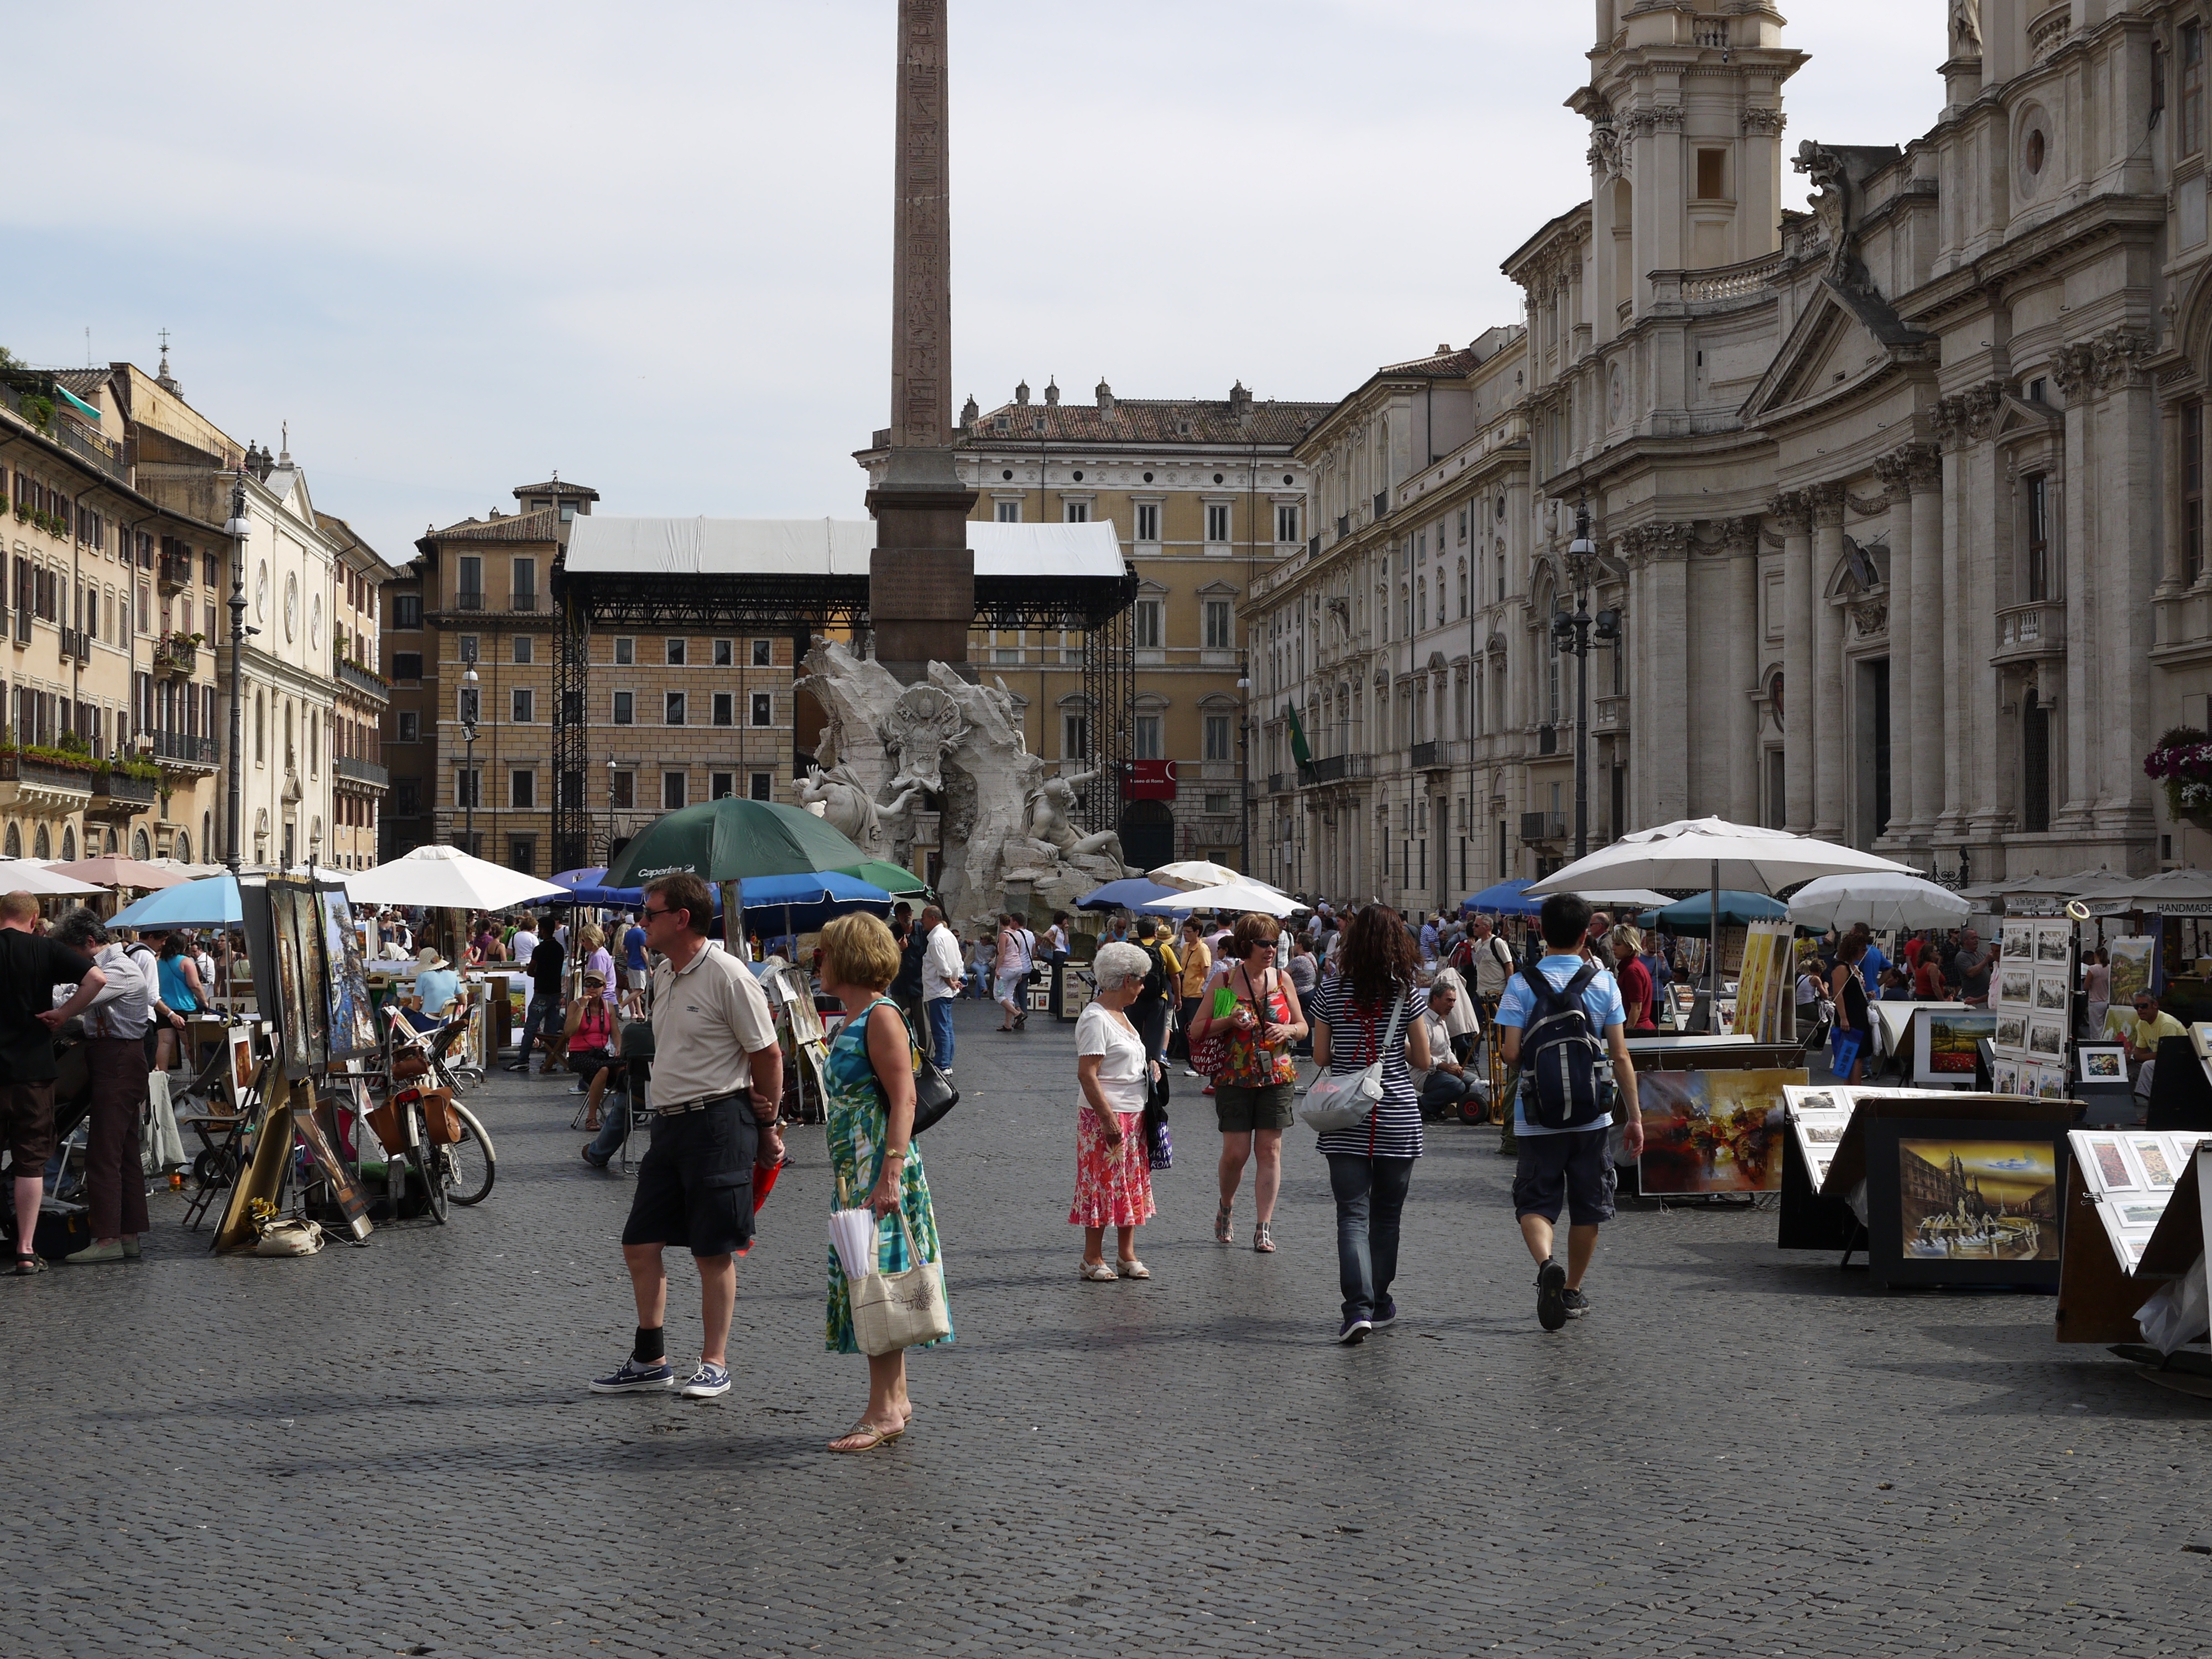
1003 825
847 808
1965 28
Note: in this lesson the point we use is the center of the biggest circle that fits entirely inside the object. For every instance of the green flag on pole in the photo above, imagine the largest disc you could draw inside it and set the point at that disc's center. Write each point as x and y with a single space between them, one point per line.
1299 752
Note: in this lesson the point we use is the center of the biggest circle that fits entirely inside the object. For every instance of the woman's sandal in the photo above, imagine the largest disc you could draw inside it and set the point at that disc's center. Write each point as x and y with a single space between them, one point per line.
1263 1239
1221 1225
870 1433
1134 1269
1097 1272
29 1262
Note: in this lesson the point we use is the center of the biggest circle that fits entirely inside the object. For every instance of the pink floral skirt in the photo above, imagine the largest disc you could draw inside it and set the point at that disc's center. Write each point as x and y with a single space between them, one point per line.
1113 1184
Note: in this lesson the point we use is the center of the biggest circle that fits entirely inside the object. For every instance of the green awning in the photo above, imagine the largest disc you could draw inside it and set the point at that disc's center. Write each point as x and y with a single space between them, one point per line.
77 402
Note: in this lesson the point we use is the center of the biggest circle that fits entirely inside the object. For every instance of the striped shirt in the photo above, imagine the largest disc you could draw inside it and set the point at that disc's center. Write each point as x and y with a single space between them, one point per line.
1393 1129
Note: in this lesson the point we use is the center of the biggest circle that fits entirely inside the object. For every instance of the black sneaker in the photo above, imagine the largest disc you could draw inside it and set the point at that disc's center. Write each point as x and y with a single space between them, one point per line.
1551 1295
1577 1304
1386 1314
1354 1331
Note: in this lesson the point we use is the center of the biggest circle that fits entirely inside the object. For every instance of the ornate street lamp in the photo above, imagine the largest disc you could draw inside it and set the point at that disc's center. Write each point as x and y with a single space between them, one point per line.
610 810
238 528
469 712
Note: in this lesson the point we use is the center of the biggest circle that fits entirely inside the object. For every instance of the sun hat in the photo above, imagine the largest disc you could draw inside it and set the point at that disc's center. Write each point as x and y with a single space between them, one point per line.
427 956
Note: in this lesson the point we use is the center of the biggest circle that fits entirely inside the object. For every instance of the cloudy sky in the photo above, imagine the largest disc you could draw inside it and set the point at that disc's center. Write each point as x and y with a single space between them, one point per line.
459 247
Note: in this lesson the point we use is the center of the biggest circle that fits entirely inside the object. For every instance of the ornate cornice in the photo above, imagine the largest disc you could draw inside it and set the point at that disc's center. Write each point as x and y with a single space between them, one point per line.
1869 507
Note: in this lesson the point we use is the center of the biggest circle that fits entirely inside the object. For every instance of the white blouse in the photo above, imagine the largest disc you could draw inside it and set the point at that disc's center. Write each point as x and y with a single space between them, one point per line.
1122 1067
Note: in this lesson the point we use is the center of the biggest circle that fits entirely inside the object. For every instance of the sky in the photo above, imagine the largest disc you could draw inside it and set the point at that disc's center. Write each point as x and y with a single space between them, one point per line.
458 248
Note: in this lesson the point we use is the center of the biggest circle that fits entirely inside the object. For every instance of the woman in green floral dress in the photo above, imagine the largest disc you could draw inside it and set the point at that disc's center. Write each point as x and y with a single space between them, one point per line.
872 1151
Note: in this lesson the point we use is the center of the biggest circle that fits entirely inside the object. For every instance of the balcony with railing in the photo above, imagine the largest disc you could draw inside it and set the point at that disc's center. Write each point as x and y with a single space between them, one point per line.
176 653
366 681
178 750
44 778
1439 755
2027 633
362 771
1543 826
468 598
37 398
118 795
175 572
1547 739
528 601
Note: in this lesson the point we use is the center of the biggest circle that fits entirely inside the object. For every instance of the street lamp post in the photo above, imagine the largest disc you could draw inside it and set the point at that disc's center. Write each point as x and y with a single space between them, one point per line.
237 529
1573 633
611 811
469 712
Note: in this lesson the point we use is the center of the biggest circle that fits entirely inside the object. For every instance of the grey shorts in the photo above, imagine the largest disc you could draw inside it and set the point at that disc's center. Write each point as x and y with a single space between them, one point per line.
1240 1108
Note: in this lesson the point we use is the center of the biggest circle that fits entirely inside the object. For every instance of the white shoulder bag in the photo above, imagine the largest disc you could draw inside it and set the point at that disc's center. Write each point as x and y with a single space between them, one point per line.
1334 1103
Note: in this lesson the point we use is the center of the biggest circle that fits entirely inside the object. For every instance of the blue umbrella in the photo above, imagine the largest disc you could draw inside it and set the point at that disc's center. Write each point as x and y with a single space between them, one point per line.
1692 917
1506 898
210 901
1132 893
806 901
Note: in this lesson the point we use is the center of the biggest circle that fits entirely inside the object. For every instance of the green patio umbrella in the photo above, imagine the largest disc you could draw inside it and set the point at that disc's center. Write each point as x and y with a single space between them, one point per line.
729 839
895 879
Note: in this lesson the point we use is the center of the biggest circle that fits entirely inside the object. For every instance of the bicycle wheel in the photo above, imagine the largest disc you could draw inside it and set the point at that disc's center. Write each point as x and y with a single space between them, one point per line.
429 1164
471 1164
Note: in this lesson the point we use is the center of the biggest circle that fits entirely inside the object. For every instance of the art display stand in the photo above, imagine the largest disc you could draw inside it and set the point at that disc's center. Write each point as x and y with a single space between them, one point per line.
1937 1187
2032 994
2135 1200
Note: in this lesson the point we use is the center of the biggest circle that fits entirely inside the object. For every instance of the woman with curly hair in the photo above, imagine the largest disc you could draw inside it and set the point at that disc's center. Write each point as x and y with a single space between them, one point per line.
1371 1165
1253 1097
1113 1160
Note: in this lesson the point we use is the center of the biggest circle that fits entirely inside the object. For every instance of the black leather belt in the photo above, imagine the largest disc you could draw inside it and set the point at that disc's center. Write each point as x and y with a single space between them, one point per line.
677 1110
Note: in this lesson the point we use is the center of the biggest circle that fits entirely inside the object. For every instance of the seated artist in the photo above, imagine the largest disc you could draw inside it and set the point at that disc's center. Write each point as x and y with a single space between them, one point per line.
436 985
594 1043
1447 1082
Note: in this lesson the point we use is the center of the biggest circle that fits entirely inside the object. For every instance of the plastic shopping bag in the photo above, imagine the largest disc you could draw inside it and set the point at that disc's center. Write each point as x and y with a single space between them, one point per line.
853 1233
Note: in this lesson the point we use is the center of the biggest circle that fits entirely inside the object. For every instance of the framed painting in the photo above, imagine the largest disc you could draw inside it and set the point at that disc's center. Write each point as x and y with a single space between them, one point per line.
2018 942
2015 987
2004 1077
2101 1062
2131 966
1964 1201
2010 1031
1713 1131
2052 941
352 1023
2046 1038
2051 993
1943 1051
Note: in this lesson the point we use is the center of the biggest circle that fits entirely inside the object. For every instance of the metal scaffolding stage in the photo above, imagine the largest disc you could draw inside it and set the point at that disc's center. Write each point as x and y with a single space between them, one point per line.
709 577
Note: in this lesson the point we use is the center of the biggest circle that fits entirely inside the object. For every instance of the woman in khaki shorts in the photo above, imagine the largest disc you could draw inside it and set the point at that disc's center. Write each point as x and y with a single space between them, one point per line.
1253 1095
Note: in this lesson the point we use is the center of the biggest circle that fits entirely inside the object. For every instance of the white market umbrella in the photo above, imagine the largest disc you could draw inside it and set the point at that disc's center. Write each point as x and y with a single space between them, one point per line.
1624 898
1877 901
29 875
1238 895
1203 873
1714 854
446 878
2170 892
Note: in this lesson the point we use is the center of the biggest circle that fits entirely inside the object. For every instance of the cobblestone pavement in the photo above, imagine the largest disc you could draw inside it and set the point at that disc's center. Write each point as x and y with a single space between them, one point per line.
390 1449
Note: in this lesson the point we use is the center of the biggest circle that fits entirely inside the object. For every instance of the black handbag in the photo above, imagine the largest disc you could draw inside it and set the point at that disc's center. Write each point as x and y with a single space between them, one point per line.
934 1093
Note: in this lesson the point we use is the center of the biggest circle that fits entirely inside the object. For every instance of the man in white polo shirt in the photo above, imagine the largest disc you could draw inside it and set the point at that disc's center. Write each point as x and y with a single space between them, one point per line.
717 1088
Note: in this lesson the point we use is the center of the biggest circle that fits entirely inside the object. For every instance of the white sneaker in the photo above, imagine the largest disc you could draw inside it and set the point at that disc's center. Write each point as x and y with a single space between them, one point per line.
708 1383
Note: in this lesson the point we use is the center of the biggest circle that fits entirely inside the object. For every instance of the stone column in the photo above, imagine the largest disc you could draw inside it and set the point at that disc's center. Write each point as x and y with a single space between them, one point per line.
1667 608
2077 770
2125 566
1793 509
1740 687
1989 758
1832 758
1927 718
921 575
1891 470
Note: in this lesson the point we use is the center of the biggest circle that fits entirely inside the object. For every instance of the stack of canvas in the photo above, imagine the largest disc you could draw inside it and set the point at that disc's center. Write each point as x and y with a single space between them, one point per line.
2032 992
1817 1119
2130 1173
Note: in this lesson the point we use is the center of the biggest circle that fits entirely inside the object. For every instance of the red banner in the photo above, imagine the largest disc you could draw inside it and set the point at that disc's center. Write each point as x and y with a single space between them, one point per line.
1150 779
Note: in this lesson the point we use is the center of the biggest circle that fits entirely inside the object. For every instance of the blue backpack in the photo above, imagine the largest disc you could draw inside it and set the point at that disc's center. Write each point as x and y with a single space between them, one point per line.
1560 1088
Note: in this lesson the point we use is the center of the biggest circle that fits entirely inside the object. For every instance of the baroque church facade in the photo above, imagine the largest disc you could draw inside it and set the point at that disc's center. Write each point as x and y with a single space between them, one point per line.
1900 500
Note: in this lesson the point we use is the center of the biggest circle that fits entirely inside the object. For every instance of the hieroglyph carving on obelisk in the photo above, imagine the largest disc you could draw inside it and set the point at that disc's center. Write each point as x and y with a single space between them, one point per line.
921 381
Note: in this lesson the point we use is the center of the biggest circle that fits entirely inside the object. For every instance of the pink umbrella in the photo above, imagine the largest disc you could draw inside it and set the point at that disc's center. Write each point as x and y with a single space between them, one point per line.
121 873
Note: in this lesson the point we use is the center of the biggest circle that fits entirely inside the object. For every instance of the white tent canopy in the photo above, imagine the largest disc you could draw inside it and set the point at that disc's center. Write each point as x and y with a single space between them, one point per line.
1878 901
28 876
1713 853
446 878
1232 896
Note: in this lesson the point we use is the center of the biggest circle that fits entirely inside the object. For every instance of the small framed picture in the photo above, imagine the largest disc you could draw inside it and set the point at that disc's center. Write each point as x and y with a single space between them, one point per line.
2051 942
2102 1062
2046 1038
2004 1077
2012 1030
2050 992
2015 987
2018 942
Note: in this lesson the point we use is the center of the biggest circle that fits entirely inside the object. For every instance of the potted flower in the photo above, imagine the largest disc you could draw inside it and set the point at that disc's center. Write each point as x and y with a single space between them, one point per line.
2183 762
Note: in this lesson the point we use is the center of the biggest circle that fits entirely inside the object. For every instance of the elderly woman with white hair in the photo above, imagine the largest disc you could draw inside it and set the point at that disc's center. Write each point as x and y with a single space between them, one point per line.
1113 1162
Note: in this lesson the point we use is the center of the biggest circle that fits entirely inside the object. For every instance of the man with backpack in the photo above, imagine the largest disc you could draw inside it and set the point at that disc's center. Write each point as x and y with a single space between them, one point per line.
1149 1012
1562 1021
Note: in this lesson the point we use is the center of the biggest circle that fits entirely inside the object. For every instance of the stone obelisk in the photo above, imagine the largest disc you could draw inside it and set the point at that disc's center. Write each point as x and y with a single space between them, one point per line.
921 575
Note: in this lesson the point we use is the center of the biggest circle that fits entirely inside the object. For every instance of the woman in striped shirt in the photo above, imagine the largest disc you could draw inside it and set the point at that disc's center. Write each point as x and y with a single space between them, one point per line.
1370 1167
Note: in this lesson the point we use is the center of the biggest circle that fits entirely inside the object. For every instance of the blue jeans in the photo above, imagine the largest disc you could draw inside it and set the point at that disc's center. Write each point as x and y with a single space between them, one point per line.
614 1118
940 1031
543 1019
1370 1194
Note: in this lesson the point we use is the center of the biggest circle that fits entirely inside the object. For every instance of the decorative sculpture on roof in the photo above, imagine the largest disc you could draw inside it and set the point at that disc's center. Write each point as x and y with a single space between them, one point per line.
1965 28
896 751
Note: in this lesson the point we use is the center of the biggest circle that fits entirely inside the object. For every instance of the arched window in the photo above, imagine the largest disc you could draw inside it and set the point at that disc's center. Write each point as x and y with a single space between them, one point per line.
14 844
140 847
69 843
184 848
110 847
207 832
42 845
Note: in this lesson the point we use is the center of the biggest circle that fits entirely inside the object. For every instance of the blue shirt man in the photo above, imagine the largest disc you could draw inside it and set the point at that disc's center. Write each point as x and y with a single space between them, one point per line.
1429 939
633 948
1872 966
1601 999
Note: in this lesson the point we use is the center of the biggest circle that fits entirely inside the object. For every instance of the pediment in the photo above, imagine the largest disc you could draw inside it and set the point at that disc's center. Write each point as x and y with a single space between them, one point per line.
1845 334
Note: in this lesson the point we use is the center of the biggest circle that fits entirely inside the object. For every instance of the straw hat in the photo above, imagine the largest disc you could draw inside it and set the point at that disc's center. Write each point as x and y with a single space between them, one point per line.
427 956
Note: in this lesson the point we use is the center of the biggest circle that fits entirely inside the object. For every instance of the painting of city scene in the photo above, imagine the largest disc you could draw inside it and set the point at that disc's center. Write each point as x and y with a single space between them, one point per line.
1977 1200
1712 1132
